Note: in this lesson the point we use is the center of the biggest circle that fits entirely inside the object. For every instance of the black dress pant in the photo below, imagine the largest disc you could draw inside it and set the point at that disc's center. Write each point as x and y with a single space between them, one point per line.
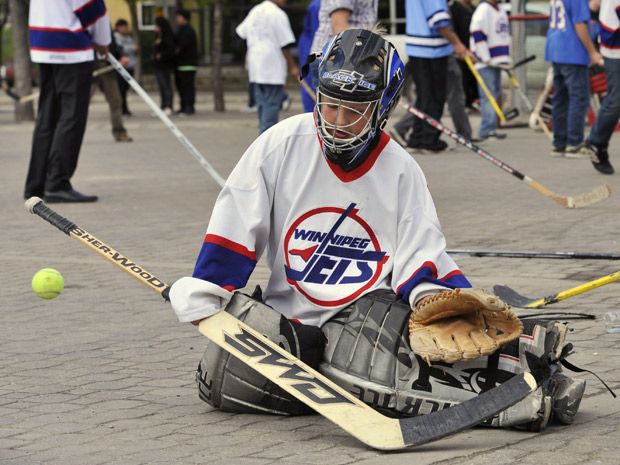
430 79
165 87
60 126
185 82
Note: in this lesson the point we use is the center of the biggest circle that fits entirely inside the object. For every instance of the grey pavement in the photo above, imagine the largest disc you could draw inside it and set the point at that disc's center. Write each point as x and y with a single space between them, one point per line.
104 374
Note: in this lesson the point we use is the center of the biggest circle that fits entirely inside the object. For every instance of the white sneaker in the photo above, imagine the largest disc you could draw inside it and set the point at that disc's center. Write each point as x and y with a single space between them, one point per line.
577 152
168 111
286 104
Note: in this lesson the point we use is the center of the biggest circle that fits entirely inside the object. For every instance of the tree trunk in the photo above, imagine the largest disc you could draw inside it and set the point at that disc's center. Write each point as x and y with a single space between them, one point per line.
135 33
23 65
216 57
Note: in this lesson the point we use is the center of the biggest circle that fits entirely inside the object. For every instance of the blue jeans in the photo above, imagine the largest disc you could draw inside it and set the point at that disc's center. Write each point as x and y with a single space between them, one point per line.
609 112
269 98
492 78
571 96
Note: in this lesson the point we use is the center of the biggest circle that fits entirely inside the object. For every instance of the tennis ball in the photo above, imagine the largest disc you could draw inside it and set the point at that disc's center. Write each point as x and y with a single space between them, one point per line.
48 283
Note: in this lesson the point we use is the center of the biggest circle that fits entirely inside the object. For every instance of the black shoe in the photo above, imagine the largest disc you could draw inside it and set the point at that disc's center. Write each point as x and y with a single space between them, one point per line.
127 113
66 196
496 135
600 158
434 147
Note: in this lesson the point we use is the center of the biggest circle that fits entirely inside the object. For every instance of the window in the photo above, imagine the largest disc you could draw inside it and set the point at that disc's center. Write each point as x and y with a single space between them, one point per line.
146 15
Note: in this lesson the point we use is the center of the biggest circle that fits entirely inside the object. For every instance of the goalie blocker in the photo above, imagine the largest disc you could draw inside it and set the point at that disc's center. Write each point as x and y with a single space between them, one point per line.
365 349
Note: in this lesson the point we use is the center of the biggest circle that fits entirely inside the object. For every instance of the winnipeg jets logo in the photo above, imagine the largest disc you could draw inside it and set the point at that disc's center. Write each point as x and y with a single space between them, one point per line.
332 267
349 81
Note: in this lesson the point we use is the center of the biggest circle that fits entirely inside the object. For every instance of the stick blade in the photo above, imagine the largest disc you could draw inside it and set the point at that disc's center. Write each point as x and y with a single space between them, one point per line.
512 297
427 428
599 194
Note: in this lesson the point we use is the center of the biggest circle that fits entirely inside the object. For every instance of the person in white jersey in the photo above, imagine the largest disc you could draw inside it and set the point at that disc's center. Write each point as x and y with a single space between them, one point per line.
269 36
353 243
63 35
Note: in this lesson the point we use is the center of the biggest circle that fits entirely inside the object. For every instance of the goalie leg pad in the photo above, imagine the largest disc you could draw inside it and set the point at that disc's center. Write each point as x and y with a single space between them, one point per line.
230 385
368 354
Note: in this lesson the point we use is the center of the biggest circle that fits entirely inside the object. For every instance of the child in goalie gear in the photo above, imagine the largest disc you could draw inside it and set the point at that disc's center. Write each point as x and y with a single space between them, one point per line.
344 217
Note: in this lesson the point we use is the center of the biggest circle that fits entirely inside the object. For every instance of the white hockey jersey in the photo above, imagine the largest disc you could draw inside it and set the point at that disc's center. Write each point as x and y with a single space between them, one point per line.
330 236
63 31
609 18
490 35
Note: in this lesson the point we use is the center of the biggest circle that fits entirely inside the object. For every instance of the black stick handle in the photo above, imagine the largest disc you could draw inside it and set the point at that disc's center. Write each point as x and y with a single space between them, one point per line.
37 206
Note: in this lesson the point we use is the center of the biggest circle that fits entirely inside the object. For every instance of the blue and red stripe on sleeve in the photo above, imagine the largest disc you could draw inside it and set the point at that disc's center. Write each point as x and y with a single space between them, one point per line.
428 273
479 36
46 38
224 262
90 12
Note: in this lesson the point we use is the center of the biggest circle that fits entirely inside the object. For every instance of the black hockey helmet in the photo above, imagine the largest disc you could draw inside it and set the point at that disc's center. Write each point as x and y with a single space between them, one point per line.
357 66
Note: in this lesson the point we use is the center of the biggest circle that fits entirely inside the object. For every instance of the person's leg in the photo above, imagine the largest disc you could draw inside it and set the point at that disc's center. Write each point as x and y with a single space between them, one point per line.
577 85
560 107
178 82
159 76
73 85
109 87
488 123
47 116
167 91
423 80
123 87
191 91
268 100
608 115
455 97
438 86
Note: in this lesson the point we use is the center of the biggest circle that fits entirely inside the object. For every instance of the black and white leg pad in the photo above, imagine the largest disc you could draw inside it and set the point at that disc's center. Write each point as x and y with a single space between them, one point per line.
228 384
368 354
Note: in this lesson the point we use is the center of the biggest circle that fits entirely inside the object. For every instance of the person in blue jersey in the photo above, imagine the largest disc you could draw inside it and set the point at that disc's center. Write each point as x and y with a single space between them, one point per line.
430 42
304 46
570 50
607 118
63 38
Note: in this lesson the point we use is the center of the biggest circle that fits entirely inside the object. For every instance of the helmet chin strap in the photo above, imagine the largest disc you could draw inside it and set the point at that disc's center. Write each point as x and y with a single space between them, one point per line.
358 159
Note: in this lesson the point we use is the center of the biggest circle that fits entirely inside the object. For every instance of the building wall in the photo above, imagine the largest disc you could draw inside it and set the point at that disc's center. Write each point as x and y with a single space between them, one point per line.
118 9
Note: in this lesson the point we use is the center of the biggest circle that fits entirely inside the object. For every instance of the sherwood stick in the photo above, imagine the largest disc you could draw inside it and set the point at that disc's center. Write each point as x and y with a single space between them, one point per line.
582 200
515 299
307 384
532 254
167 121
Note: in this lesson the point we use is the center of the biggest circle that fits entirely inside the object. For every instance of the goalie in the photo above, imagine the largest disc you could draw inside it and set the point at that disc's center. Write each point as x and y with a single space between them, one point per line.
361 286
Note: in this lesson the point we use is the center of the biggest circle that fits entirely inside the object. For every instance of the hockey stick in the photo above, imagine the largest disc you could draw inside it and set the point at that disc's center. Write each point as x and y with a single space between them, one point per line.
303 382
536 120
583 200
512 297
308 89
486 90
529 254
164 118
523 61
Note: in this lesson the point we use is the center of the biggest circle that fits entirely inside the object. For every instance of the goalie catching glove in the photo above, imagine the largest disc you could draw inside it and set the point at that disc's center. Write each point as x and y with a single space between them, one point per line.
461 324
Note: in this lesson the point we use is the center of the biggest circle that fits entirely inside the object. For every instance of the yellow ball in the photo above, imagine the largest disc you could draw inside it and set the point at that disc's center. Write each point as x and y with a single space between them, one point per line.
48 283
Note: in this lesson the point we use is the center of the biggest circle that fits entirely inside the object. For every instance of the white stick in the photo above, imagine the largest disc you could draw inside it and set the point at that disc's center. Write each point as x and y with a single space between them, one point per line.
169 124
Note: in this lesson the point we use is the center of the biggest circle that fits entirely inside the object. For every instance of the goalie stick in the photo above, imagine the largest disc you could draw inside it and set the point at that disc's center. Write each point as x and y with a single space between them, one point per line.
582 200
532 254
191 148
515 299
307 384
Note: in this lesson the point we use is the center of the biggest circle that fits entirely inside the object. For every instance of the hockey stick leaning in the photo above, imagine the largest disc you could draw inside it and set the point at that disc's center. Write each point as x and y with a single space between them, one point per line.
515 299
532 254
306 384
164 118
582 200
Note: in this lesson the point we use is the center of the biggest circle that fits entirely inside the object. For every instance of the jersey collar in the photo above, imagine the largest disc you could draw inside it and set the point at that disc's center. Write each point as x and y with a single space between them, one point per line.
348 176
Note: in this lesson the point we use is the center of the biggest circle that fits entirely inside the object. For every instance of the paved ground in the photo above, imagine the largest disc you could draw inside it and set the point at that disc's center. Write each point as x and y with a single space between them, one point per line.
104 373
